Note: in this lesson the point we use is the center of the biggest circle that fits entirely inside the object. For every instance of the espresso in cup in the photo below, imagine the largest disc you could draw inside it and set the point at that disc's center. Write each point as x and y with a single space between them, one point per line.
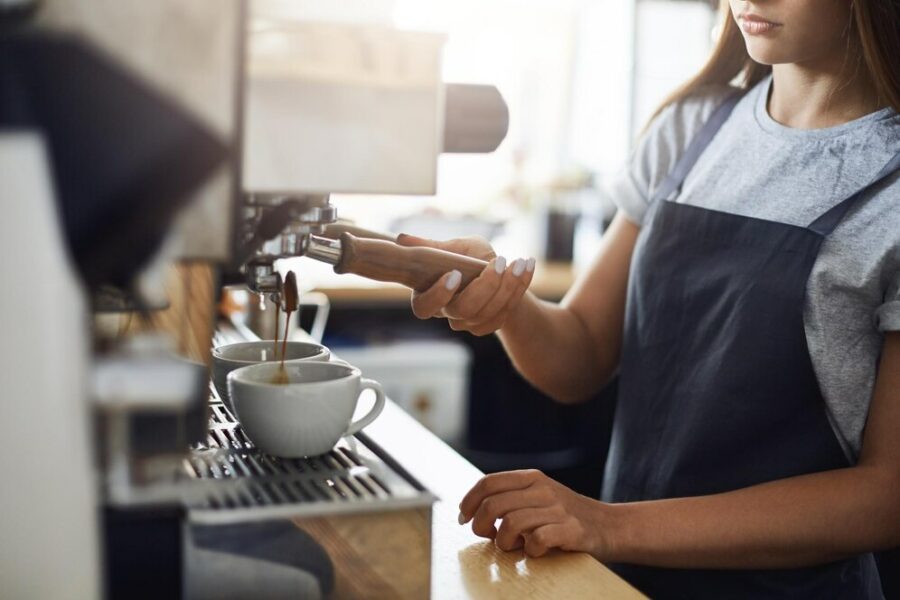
306 416
229 357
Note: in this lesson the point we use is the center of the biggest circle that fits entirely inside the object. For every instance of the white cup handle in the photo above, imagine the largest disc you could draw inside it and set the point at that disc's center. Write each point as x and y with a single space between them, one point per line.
368 384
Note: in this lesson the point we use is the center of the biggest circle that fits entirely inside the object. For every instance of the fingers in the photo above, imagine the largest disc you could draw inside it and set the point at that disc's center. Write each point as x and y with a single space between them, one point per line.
478 305
495 483
519 523
499 505
485 304
512 286
524 282
535 513
542 539
429 303
405 239
477 294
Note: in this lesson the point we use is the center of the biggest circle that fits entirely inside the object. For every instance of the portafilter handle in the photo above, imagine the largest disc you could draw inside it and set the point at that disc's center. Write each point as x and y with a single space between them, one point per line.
415 267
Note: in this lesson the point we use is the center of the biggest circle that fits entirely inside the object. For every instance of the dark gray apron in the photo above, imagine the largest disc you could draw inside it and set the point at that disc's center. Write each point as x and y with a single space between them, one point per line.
717 389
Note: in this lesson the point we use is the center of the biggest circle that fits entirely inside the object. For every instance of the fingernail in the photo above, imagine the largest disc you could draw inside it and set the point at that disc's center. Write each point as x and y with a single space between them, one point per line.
518 267
462 518
453 280
529 265
500 265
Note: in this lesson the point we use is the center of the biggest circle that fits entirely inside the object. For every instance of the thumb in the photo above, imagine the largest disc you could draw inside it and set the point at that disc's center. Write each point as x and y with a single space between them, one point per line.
467 246
405 239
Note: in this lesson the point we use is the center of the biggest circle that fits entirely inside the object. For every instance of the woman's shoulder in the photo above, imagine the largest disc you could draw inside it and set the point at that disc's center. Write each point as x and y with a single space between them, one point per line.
681 119
670 132
661 145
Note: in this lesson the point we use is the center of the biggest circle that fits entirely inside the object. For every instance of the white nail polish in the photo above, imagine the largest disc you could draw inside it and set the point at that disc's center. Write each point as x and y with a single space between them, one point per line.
500 265
453 280
518 267
462 518
529 265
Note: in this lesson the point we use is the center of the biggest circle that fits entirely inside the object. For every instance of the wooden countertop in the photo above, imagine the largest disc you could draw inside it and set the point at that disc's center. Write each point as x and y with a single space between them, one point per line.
464 565
551 282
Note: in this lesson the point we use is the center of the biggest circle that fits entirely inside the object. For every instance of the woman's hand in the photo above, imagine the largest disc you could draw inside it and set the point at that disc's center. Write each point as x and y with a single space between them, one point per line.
486 303
536 513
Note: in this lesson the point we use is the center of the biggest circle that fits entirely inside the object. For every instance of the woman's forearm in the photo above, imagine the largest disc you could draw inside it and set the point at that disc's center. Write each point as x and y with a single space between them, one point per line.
570 350
552 349
793 522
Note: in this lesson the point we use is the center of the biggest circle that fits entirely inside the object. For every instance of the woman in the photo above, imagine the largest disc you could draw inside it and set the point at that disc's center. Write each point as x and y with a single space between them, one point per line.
748 296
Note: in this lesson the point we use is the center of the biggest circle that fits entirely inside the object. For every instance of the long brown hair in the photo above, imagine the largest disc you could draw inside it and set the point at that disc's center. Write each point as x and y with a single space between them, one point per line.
876 24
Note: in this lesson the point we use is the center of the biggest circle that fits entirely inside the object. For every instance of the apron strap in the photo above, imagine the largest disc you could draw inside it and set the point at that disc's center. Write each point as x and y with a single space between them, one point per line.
677 175
827 223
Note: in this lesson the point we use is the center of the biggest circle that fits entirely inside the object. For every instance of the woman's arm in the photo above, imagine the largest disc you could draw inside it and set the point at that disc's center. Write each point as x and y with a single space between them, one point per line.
569 351
793 522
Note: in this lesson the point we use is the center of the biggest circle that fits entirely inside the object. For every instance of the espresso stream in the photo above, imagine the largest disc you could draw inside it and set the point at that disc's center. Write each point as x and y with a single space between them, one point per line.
290 298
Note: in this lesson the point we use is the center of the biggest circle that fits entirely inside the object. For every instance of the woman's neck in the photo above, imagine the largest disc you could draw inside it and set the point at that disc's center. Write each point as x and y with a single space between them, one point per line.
823 93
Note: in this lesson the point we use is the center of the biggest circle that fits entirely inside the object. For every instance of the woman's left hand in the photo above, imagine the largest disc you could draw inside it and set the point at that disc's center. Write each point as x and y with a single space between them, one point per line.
536 513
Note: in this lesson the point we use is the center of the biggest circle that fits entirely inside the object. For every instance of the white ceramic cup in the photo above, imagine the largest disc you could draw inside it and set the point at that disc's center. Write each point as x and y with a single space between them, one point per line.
229 357
308 415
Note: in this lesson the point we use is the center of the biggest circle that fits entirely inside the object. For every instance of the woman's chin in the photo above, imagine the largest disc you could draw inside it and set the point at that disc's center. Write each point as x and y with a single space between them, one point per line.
766 53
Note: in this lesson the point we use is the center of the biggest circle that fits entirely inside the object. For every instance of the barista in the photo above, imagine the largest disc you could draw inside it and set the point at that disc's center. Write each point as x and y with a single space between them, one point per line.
748 296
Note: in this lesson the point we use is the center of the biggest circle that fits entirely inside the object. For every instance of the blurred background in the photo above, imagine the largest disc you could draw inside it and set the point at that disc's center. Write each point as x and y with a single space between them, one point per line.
581 78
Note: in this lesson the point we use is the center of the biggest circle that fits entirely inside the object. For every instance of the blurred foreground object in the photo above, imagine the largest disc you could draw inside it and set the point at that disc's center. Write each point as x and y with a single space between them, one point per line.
99 162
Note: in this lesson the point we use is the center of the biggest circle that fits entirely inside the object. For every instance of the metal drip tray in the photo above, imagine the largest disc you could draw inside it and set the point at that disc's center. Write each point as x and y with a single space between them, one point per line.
240 483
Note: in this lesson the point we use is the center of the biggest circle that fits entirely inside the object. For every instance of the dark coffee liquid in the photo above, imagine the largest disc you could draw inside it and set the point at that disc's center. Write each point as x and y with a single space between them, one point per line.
290 297
275 345
287 326
281 376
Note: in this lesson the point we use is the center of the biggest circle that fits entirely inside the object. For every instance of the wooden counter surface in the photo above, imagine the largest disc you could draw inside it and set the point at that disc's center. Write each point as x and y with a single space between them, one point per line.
464 565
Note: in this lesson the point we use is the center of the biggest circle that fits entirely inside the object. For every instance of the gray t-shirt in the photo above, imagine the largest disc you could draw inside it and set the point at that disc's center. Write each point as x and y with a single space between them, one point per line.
759 168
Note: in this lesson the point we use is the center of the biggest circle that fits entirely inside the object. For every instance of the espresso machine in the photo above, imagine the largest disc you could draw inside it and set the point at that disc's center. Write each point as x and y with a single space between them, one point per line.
198 142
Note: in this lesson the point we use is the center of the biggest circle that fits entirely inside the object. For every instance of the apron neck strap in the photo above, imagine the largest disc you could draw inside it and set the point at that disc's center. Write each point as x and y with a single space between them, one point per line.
698 144
827 223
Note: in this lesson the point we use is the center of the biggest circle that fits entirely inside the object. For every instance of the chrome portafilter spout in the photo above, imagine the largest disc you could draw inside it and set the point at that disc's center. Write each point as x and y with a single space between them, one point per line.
262 279
324 249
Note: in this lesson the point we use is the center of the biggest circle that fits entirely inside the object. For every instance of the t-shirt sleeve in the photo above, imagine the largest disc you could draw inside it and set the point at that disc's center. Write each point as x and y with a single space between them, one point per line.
657 151
887 316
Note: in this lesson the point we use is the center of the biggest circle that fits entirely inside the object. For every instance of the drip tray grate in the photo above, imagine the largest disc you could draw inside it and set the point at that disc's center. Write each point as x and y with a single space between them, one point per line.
238 482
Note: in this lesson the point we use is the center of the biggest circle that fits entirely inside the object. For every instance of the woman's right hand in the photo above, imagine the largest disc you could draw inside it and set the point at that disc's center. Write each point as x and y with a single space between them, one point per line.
486 303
